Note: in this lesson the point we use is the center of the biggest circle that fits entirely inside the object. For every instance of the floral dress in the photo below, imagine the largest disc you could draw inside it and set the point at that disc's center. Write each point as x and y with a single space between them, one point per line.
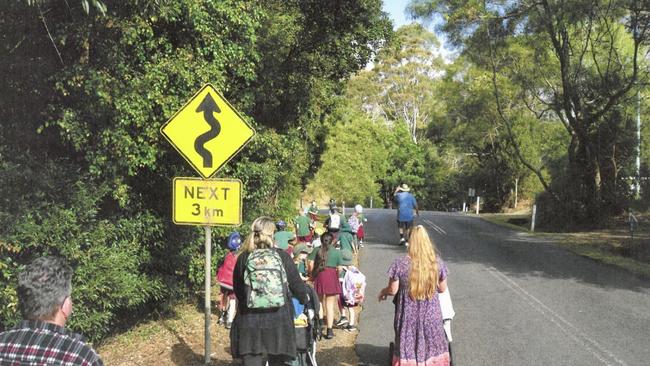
419 336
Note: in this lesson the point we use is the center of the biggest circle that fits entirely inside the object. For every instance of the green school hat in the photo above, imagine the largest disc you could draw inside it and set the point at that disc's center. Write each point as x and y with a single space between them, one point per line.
302 248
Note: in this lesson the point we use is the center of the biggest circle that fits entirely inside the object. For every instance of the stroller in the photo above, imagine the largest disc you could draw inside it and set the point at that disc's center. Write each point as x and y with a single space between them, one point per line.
307 331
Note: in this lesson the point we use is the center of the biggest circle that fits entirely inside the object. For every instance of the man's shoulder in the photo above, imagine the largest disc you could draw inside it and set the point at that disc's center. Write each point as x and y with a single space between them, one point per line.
46 341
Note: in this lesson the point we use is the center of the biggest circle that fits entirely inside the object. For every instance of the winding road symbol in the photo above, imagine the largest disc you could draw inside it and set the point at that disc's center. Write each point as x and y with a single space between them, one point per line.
208 106
207 131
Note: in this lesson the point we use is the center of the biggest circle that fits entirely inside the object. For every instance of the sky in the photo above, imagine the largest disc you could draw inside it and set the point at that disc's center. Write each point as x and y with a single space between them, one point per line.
395 8
396 11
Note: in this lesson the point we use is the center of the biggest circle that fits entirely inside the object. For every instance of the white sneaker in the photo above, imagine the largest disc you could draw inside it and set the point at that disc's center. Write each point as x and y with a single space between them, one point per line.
406 244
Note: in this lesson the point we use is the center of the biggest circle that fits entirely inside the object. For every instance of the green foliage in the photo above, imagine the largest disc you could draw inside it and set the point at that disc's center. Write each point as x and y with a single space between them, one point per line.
376 140
354 158
110 255
575 62
85 171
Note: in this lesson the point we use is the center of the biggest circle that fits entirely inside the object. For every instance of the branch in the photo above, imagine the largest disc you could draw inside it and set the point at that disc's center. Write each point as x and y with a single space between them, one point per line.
562 117
614 98
17 45
586 45
569 102
38 5
537 114
506 122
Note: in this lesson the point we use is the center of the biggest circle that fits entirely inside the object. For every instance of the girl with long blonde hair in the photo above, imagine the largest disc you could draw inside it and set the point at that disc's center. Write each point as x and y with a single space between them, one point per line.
261 235
415 280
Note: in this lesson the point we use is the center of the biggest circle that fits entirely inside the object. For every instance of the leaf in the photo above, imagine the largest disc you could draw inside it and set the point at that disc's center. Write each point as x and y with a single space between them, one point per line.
100 6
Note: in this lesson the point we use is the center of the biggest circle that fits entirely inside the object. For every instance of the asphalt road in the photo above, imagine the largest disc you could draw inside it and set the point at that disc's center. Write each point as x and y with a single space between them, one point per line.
519 300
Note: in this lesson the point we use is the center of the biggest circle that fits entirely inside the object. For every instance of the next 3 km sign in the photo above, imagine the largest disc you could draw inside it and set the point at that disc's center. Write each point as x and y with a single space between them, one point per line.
207 201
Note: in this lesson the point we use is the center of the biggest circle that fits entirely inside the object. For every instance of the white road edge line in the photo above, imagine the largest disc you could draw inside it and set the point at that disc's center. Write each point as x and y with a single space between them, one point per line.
596 349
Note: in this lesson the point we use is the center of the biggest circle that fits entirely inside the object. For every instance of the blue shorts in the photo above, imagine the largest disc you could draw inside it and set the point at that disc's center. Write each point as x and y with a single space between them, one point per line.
405 224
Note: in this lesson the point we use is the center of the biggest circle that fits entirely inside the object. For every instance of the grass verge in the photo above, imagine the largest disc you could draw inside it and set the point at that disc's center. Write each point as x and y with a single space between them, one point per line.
509 220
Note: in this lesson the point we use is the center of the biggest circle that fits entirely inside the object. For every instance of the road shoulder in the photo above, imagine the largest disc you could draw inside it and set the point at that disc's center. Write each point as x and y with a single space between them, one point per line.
605 246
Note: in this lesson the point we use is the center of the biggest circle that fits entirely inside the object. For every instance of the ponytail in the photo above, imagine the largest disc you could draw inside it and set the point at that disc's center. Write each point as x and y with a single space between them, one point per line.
320 261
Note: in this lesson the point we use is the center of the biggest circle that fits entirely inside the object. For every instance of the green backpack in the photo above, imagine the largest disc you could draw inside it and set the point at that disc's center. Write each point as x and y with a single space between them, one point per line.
265 280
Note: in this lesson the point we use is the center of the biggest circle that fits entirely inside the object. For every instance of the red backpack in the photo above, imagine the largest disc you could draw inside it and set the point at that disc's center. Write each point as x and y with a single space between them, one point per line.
225 272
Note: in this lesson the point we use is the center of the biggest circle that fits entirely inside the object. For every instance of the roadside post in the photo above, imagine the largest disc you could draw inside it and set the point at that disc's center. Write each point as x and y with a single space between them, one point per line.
478 204
634 222
471 192
207 131
532 220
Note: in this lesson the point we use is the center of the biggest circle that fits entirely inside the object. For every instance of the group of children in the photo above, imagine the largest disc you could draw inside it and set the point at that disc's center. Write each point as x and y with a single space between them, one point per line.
302 244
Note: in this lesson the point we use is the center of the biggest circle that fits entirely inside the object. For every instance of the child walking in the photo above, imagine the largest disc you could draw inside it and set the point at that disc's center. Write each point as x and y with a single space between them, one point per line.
361 233
354 287
301 251
228 302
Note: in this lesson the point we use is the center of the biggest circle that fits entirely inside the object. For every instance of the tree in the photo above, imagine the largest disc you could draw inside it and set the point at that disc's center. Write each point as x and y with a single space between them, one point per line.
353 158
582 61
404 75
85 171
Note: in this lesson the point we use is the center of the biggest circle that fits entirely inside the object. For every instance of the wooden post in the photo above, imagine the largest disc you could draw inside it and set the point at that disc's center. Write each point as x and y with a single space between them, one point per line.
532 220
516 190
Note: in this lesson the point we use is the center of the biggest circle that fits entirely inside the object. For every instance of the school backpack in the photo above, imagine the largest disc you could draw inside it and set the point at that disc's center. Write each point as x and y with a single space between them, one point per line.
226 270
335 222
354 283
265 280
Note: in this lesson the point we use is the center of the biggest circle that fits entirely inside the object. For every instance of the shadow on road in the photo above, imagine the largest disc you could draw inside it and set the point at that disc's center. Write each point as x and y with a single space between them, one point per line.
472 240
374 355
466 239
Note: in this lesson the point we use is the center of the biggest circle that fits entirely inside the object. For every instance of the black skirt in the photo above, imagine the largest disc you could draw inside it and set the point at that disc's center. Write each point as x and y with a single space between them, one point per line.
270 333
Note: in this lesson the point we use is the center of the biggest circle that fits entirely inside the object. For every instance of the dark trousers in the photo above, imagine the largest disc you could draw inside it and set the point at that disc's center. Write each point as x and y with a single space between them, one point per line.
260 360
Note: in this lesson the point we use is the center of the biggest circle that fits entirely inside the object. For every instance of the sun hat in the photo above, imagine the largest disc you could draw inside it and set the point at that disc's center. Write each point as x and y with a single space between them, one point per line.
358 209
346 255
404 187
301 248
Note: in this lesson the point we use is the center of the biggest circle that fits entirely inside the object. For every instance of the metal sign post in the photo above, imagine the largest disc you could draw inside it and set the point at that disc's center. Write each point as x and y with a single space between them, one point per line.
208 276
207 131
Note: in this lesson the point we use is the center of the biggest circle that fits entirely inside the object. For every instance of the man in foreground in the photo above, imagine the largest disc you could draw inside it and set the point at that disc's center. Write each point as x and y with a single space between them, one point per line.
406 204
44 290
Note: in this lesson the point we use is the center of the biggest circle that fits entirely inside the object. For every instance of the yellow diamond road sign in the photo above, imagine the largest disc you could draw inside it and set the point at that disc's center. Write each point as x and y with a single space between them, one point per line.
207 131
207 201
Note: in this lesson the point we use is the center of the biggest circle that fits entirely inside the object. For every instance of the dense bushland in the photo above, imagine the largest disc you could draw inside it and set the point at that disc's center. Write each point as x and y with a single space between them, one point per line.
84 171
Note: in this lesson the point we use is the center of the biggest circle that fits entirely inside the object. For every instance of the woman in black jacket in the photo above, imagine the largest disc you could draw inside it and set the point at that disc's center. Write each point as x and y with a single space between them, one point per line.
266 334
